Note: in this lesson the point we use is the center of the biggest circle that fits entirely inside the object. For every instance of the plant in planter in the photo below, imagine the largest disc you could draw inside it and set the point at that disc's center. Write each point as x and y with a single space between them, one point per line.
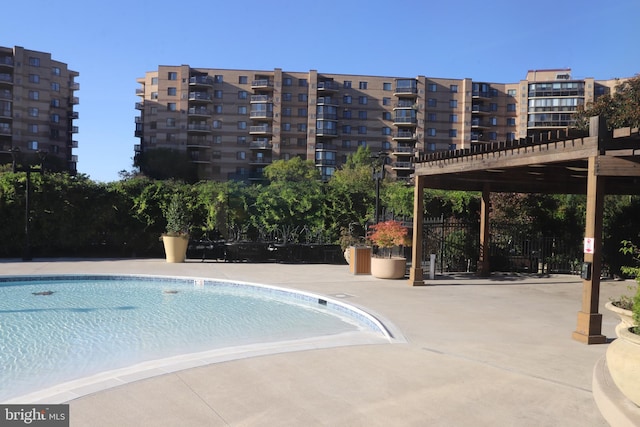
387 236
623 305
176 238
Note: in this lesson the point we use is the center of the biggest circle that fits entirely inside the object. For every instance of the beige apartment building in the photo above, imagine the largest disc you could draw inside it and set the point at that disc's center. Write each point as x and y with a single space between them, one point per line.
233 123
37 100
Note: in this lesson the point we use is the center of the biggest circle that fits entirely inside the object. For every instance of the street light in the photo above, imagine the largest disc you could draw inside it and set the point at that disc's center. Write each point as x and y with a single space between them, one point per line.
15 151
378 175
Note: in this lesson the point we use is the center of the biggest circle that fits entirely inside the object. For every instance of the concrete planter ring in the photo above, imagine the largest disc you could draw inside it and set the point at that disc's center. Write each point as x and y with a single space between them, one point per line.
388 268
623 361
626 316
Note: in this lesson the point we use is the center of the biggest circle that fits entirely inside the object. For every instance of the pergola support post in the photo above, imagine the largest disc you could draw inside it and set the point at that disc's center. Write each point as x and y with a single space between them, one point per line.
415 272
484 267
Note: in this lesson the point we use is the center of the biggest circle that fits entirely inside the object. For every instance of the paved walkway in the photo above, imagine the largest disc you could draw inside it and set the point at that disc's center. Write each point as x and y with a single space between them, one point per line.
472 352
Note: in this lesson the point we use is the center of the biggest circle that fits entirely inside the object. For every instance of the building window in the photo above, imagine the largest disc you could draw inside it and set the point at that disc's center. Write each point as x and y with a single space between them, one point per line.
431 146
34 62
218 78
242 125
302 82
243 80
511 121
154 81
32 145
362 100
432 117
386 86
386 145
286 112
153 125
346 84
432 102
493 121
287 81
33 128
172 91
362 115
33 112
242 94
216 154
362 143
154 95
286 126
302 112
452 147
171 122
346 114
431 132
346 99
511 136
493 136
453 133
346 143
217 124
34 78
432 87
55 71
386 115
386 130
301 142
217 94
287 96
346 129
55 86
302 127
362 130
217 139
34 95
302 97
511 107
241 140
511 92
493 106
55 118
362 85
453 103
172 75
55 102
453 118
217 109
241 155
453 88
242 109
386 101
171 106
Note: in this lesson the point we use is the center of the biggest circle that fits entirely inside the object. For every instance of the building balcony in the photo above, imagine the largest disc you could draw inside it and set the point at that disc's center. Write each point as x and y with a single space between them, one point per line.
198 143
260 161
262 84
261 144
198 111
139 105
6 94
480 109
74 86
260 130
73 159
405 104
323 146
402 166
406 92
477 123
479 137
198 127
477 94
327 100
255 99
403 151
328 86
405 121
140 91
6 79
74 100
6 114
73 129
404 135
200 96
5 130
138 133
200 81
6 62
326 116
74 115
73 143
261 114
327 132
137 148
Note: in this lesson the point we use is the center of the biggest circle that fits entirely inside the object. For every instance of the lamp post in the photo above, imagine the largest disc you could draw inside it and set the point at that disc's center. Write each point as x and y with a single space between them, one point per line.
378 175
15 151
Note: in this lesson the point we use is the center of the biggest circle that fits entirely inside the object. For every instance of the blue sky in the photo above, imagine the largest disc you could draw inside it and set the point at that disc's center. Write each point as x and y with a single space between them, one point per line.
112 43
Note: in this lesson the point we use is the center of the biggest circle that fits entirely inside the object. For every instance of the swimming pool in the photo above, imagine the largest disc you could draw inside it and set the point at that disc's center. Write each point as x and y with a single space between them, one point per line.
55 329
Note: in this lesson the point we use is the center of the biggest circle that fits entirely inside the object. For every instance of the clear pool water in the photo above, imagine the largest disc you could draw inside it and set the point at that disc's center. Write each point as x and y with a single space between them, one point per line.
87 326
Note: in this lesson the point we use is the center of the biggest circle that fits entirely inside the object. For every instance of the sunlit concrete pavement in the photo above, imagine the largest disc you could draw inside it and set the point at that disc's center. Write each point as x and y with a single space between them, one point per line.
469 352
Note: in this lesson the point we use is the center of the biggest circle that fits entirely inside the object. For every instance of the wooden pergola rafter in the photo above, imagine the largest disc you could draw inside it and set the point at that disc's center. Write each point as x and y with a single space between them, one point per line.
599 163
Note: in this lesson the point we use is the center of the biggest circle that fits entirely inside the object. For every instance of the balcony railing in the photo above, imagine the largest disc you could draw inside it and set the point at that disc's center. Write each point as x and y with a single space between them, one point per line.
329 85
475 108
74 115
480 94
199 96
139 106
404 150
261 114
5 113
260 129
327 100
6 60
262 83
201 80
199 111
6 94
262 144
406 90
326 116
402 165
198 127
261 98
404 134
74 86
6 78
5 130
405 120
405 104
74 100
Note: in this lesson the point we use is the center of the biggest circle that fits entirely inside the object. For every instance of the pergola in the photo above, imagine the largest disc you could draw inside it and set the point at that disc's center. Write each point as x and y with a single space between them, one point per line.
552 163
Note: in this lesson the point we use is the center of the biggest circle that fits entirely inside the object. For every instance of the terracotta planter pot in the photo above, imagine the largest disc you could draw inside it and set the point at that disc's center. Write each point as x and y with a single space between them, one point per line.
175 247
623 361
388 268
626 316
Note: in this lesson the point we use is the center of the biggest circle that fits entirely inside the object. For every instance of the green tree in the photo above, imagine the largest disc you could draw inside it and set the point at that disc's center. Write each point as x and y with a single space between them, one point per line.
621 109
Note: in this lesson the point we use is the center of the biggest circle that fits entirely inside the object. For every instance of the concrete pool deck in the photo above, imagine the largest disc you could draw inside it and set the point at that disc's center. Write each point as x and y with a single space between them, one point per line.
482 352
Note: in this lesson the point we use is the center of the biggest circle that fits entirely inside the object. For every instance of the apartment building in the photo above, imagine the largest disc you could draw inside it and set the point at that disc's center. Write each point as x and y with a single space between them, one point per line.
37 100
233 123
